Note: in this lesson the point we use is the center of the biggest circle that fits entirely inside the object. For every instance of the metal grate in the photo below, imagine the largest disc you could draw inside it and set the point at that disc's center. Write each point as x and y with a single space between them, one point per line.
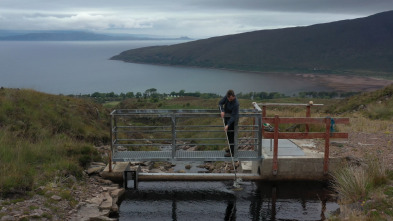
124 156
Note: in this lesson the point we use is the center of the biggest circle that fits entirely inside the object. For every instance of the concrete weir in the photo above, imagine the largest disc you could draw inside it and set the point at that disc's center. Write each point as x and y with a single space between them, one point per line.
297 160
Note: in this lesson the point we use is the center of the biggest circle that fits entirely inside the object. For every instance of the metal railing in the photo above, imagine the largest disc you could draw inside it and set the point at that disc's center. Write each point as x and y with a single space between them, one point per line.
158 134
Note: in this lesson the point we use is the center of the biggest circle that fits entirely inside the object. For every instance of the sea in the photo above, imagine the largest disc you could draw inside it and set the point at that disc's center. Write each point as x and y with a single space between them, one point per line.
84 67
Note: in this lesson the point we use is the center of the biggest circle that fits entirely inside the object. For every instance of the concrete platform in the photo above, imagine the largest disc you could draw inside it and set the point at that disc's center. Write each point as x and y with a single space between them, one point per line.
285 148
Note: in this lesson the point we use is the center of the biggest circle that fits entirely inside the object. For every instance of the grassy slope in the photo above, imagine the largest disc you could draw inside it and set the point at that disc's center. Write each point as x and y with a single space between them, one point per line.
43 134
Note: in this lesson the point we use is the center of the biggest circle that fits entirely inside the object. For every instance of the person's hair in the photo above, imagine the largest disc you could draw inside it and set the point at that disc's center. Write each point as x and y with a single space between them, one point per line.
230 93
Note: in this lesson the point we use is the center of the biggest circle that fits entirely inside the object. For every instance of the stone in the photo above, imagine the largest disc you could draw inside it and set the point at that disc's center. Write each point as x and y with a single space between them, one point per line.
94 170
107 202
188 166
117 193
8 218
56 198
155 171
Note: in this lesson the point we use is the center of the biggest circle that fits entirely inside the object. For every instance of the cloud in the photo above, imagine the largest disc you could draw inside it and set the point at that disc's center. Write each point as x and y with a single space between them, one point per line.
195 18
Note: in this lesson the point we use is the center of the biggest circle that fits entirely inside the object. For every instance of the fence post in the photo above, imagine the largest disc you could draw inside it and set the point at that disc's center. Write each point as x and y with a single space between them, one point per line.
173 119
327 142
275 151
111 151
260 126
235 140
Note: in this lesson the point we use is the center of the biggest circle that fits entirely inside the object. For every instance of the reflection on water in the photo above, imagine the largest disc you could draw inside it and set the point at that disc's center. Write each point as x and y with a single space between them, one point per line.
217 201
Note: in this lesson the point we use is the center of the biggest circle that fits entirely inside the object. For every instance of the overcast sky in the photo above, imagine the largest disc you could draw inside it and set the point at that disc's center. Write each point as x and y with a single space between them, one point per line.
192 18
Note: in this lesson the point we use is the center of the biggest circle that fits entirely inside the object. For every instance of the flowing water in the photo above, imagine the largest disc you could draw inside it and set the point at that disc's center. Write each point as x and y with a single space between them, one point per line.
260 200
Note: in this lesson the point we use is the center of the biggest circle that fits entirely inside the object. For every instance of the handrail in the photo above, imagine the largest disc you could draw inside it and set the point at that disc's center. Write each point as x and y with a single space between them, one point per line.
172 127
327 135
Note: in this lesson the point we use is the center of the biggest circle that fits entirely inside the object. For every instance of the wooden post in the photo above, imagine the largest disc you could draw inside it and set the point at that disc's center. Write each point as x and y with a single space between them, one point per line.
308 114
327 142
275 150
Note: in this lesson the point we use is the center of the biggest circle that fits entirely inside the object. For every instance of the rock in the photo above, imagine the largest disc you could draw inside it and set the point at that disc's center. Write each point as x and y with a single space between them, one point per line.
56 198
107 202
96 200
181 171
98 164
94 170
8 218
102 218
117 193
155 171
188 166
89 212
37 212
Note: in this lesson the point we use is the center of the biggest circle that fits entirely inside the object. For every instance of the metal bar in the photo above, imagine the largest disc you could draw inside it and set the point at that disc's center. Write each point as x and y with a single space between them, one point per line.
304 120
275 151
111 151
157 111
173 120
235 138
121 127
156 139
299 135
308 114
259 135
145 131
327 142
286 104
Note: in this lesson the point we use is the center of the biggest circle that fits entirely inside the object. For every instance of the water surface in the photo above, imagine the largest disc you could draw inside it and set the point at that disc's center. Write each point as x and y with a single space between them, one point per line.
85 68
218 201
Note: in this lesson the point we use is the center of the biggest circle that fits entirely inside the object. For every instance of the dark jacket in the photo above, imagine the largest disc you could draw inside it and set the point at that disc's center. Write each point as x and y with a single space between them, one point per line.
230 107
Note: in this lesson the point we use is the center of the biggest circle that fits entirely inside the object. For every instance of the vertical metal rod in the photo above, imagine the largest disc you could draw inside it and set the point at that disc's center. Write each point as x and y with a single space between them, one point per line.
275 152
259 136
173 119
235 140
111 151
327 142
308 114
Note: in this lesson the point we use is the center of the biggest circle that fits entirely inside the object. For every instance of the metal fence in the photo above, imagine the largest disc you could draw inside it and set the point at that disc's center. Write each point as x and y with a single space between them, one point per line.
197 134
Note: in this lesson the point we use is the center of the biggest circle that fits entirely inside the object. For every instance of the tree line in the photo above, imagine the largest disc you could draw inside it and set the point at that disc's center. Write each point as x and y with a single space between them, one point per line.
155 96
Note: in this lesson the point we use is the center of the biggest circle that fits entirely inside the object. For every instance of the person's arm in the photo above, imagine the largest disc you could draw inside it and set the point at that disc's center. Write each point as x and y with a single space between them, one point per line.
221 106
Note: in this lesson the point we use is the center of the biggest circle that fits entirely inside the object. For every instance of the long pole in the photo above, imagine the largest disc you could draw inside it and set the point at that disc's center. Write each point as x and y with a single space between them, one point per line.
229 146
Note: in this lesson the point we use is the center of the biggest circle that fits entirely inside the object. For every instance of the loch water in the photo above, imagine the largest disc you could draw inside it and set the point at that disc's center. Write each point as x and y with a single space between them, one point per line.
84 67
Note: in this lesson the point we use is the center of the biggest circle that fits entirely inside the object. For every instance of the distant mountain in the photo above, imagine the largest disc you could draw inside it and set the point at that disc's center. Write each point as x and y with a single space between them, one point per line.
75 36
363 44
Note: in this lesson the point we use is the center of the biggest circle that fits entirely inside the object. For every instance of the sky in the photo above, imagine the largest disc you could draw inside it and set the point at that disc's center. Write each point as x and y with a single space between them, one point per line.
175 18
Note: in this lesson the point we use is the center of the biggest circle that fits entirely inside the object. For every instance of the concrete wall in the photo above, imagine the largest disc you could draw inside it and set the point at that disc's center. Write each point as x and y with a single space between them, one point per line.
295 168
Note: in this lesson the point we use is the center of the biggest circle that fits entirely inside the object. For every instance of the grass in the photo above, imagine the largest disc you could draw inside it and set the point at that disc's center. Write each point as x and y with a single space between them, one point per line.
366 189
41 134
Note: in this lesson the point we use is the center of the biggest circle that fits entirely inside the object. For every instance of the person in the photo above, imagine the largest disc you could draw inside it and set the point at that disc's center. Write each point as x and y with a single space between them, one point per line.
229 105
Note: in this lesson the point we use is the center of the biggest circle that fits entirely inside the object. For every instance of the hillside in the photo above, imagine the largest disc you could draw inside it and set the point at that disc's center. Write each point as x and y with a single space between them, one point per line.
362 44
43 136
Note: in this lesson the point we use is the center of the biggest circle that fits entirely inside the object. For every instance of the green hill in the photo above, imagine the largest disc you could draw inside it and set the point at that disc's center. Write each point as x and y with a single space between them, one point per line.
363 44
43 136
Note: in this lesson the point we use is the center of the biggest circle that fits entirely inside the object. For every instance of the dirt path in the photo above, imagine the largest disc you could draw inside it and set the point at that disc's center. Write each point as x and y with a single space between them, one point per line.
343 83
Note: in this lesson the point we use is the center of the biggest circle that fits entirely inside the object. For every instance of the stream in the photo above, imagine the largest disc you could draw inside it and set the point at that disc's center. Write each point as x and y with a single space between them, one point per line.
213 200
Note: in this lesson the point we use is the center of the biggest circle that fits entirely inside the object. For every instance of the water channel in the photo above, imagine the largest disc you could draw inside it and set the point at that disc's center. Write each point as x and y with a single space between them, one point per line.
256 200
